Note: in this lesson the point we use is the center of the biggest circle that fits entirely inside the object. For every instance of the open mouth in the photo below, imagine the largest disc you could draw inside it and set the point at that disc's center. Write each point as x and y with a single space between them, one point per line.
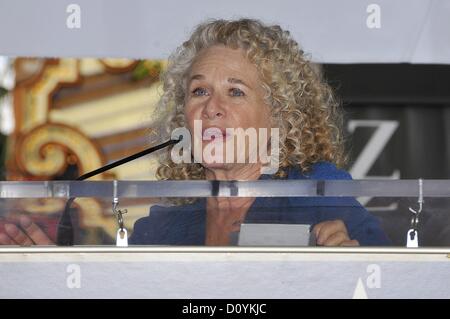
214 135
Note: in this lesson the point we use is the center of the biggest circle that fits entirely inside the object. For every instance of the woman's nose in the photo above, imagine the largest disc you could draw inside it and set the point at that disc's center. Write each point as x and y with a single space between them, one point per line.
214 108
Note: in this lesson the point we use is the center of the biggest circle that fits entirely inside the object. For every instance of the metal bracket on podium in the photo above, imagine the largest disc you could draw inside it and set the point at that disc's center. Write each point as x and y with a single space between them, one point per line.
122 234
412 237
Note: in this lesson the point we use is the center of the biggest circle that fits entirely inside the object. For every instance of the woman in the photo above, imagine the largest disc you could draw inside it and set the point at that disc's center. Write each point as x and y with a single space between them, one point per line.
244 74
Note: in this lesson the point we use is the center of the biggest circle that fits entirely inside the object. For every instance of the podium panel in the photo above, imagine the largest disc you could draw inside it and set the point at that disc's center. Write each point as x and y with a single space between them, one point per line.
168 254
189 273
174 212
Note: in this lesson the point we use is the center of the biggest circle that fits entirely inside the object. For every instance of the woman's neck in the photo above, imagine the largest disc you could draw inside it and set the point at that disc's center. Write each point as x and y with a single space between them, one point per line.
245 172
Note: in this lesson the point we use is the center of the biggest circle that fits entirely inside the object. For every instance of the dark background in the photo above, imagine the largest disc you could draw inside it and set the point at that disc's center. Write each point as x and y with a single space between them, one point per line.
417 97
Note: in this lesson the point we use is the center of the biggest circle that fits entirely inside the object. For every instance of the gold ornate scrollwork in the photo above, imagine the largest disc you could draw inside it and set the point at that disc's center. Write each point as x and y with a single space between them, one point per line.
118 65
49 135
47 149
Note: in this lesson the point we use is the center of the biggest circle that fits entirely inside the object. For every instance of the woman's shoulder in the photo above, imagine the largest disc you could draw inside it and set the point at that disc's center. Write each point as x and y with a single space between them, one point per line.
168 224
319 171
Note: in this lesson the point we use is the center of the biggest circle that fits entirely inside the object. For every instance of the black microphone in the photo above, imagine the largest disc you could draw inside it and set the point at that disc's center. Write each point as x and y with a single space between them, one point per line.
64 235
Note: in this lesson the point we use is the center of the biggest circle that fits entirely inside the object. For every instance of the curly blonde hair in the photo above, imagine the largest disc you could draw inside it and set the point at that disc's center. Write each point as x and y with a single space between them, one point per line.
302 104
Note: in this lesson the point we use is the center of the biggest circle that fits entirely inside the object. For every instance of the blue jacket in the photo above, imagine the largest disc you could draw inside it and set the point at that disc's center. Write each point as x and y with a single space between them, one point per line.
186 225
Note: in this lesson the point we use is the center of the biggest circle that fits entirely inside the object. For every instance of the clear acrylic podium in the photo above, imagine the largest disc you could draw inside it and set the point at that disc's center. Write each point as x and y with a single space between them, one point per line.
94 267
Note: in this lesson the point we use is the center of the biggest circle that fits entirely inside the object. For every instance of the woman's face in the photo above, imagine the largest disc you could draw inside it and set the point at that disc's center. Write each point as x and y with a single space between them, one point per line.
224 91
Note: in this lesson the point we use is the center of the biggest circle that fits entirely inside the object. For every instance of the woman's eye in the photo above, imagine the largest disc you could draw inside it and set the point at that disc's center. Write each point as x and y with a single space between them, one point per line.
199 92
236 92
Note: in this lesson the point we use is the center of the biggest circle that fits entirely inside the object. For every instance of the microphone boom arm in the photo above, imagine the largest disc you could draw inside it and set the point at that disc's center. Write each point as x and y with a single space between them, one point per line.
65 226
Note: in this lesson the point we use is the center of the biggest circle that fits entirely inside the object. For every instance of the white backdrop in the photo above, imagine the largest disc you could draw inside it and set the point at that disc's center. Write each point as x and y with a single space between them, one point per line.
332 31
